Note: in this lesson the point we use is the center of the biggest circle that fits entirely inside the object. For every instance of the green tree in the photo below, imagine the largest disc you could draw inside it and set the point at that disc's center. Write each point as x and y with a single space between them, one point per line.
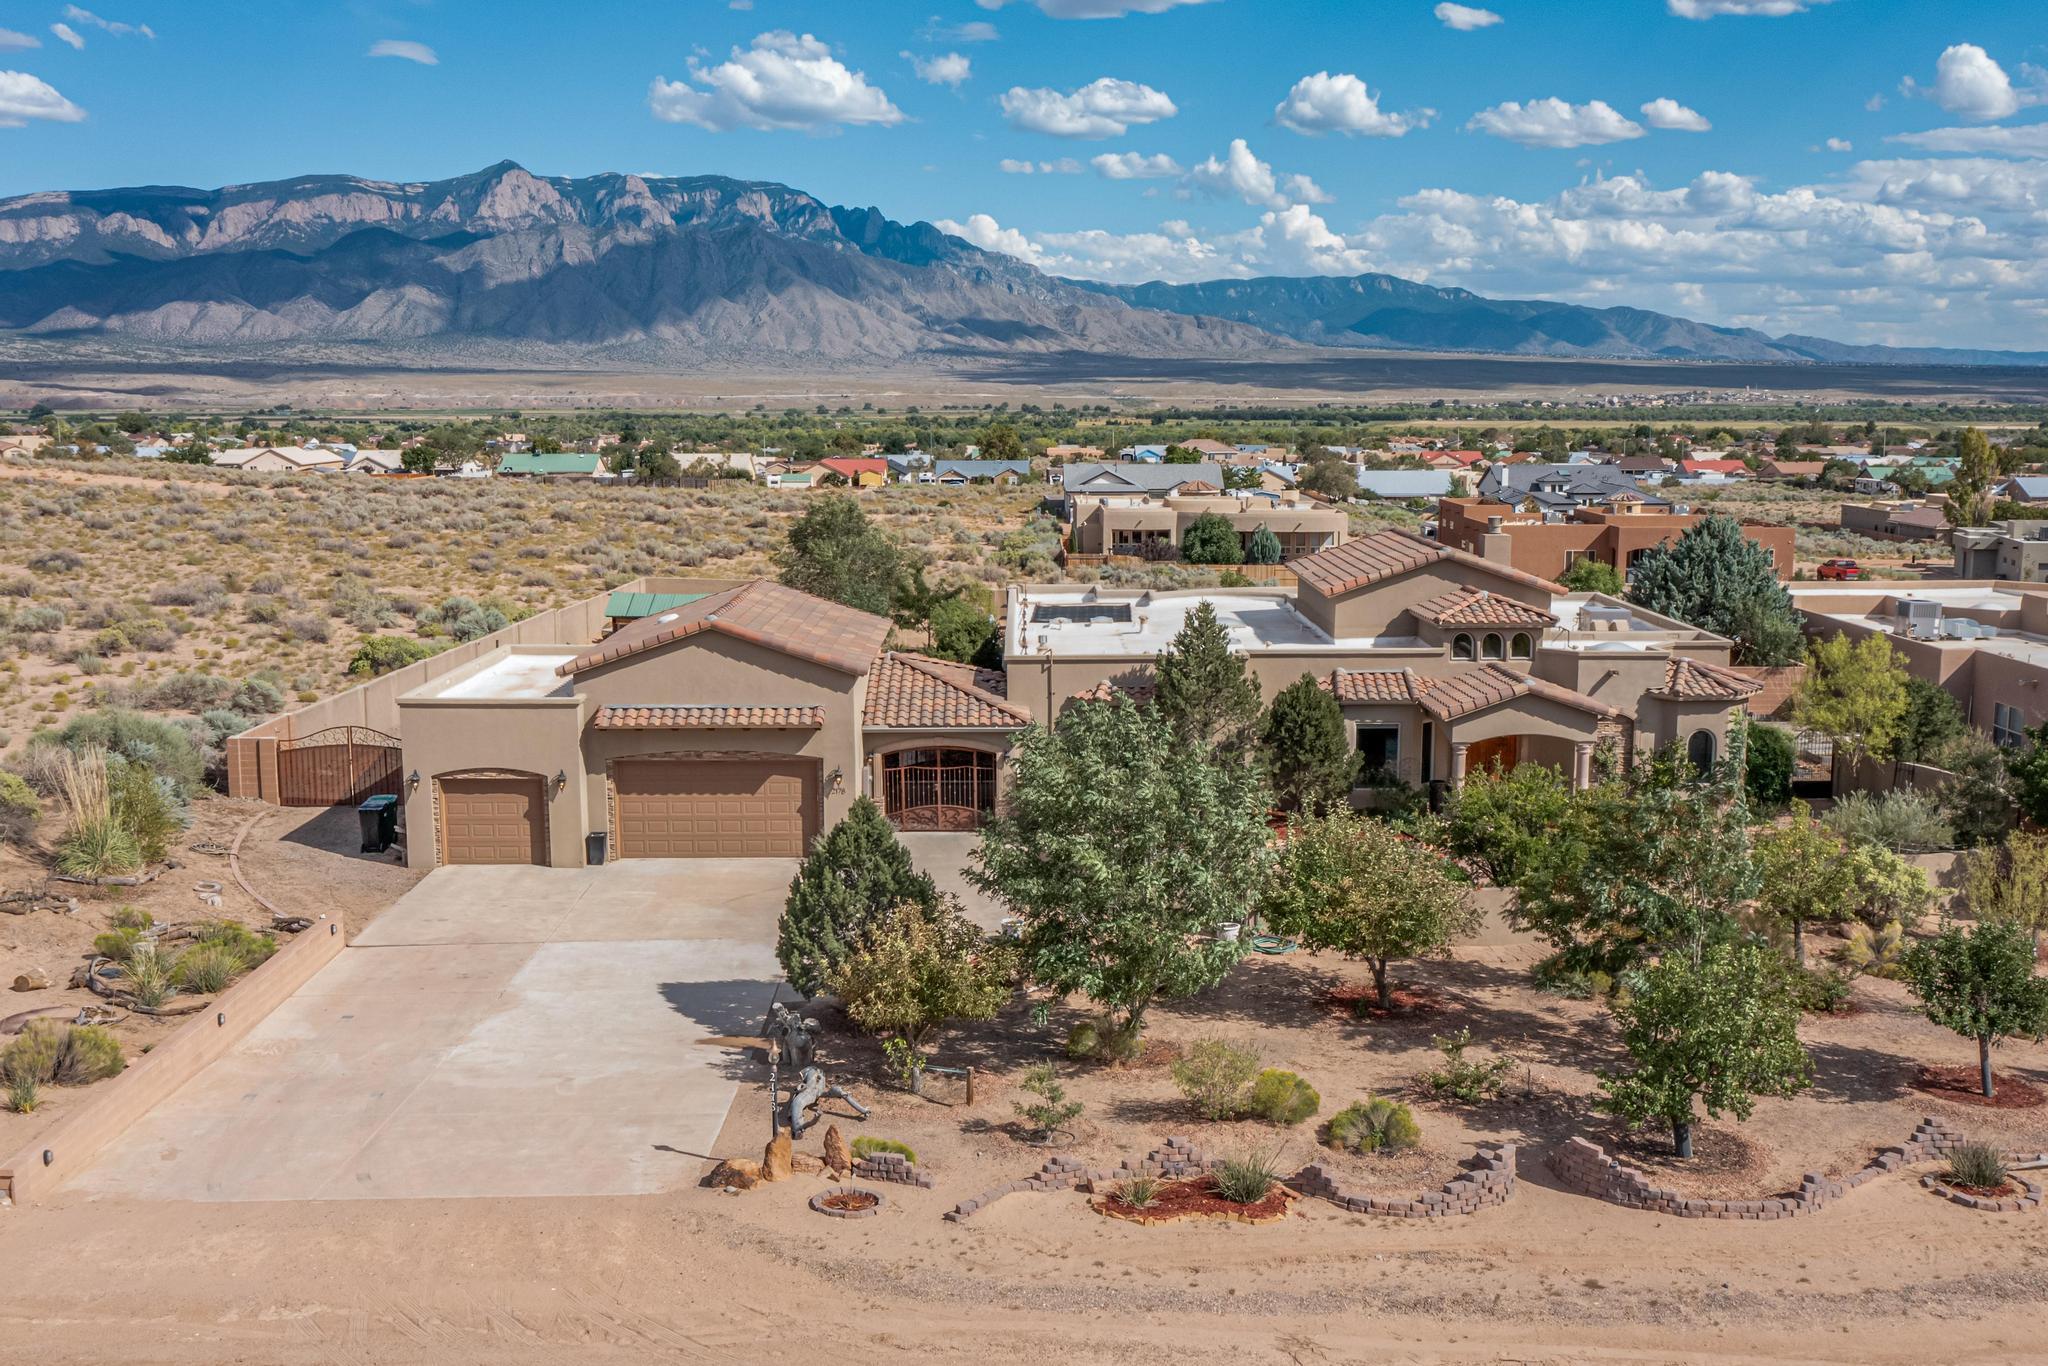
964 631
999 441
1804 876
1652 861
1710 1032
1980 983
916 599
1308 755
1769 759
193 452
1264 547
834 552
1716 578
1976 469
1121 849
853 877
1501 820
2008 884
1351 884
1854 692
1211 539
381 654
2028 766
418 459
1329 475
1593 576
1932 719
1202 688
917 971
658 467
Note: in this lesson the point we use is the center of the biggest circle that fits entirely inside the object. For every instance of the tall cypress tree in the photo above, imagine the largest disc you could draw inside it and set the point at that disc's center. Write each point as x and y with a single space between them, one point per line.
1205 695
1307 756
854 876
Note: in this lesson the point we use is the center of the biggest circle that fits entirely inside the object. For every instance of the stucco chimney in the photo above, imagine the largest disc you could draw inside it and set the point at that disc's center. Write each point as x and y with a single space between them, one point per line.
1496 545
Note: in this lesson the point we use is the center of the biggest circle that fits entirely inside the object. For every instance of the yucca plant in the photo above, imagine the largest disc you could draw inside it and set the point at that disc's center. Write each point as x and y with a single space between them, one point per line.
1246 1180
152 978
1140 1192
1978 1165
1873 951
23 1095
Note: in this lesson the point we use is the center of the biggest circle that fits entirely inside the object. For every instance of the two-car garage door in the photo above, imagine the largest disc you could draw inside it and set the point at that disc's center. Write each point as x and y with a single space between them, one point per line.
719 808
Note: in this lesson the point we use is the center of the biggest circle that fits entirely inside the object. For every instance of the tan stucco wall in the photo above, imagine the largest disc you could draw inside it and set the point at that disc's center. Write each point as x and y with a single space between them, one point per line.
1381 608
445 737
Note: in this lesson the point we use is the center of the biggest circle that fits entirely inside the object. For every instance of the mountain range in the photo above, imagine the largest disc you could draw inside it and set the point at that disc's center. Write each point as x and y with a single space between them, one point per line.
713 272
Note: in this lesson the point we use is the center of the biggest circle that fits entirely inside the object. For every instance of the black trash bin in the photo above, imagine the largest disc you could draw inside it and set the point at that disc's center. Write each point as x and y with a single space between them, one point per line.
379 816
593 848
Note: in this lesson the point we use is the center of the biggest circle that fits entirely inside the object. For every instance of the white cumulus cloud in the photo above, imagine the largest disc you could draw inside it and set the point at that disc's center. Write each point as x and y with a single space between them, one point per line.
1064 166
1239 174
405 50
24 97
1554 123
1839 145
2028 141
1970 83
1341 103
949 68
1136 166
1103 108
984 232
1711 9
1096 9
67 34
1670 114
782 80
1465 18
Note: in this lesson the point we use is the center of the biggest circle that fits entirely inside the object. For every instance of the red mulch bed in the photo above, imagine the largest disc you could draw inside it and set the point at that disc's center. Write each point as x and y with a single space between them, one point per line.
1195 1197
1363 1002
1997 1192
1964 1086
849 1200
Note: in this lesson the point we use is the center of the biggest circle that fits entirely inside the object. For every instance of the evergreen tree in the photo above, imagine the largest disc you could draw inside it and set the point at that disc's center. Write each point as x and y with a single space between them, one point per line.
1970 490
1264 549
1307 754
853 878
1204 693
1717 579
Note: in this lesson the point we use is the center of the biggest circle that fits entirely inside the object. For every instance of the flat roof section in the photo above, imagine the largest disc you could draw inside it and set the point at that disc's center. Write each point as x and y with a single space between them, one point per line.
508 677
1143 625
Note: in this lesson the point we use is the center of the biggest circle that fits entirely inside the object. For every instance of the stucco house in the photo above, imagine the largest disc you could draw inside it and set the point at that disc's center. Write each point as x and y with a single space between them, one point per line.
280 459
734 723
1443 662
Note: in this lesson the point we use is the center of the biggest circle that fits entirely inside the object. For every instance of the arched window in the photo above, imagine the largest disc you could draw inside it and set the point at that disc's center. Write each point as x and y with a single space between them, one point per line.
1461 646
1490 648
1700 749
1521 647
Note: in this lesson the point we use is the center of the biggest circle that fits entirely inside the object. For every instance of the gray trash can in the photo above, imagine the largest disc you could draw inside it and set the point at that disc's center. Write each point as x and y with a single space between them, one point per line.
593 848
379 817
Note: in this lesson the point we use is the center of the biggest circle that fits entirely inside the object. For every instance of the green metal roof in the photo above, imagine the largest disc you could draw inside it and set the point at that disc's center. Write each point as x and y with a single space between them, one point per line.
636 605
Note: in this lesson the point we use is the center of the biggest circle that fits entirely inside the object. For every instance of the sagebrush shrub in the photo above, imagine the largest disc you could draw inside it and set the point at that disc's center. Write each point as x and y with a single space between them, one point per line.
1282 1098
1375 1125
1217 1075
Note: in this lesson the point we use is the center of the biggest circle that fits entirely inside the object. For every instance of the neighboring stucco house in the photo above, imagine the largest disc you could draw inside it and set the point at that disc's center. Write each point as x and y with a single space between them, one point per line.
552 465
280 459
983 471
1618 532
736 723
1442 661
1146 509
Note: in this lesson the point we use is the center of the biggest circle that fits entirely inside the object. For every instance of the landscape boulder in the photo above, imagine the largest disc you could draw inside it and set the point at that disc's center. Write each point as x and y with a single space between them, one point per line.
736 1173
775 1163
838 1156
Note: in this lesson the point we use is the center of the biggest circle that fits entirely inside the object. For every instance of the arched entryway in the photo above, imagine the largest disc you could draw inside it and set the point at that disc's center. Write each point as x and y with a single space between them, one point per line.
937 787
1501 753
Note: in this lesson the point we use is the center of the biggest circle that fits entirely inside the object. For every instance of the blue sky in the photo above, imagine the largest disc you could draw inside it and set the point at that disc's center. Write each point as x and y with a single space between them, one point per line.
1866 169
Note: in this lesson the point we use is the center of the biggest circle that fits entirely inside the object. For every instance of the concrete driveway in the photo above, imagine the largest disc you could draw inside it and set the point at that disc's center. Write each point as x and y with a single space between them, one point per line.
497 1032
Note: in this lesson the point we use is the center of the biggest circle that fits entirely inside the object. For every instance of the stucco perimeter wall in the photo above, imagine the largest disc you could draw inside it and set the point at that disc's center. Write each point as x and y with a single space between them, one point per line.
252 755
72 1143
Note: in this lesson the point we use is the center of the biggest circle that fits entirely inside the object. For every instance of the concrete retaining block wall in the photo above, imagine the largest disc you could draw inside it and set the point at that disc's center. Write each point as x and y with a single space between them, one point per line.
70 1144
894 1167
1488 1180
1586 1168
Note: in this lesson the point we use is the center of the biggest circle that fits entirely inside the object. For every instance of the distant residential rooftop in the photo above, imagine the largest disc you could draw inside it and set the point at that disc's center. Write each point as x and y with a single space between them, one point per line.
1085 621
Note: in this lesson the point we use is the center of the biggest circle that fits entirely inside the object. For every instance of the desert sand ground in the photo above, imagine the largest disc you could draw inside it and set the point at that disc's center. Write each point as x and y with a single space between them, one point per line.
1889 1274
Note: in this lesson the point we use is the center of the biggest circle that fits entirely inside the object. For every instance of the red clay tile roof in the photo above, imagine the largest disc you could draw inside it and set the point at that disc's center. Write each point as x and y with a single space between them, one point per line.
708 718
1691 680
1375 685
917 691
1476 607
1489 685
762 612
1387 554
1108 690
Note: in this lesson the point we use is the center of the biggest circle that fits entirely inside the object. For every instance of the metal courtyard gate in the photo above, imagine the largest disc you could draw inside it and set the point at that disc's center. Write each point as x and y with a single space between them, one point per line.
339 766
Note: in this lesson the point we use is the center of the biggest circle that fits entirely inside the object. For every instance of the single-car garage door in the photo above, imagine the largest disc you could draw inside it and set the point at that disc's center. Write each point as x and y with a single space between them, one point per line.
492 820
720 808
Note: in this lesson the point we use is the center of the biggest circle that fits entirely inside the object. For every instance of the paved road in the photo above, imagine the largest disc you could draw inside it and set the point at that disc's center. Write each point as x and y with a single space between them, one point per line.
497 1032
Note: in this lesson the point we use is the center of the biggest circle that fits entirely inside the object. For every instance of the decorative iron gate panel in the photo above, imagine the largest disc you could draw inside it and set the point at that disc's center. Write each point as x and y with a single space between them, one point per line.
342 765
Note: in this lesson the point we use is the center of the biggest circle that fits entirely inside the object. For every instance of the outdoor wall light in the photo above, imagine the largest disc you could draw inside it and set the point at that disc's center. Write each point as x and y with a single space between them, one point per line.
412 781
561 779
835 781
